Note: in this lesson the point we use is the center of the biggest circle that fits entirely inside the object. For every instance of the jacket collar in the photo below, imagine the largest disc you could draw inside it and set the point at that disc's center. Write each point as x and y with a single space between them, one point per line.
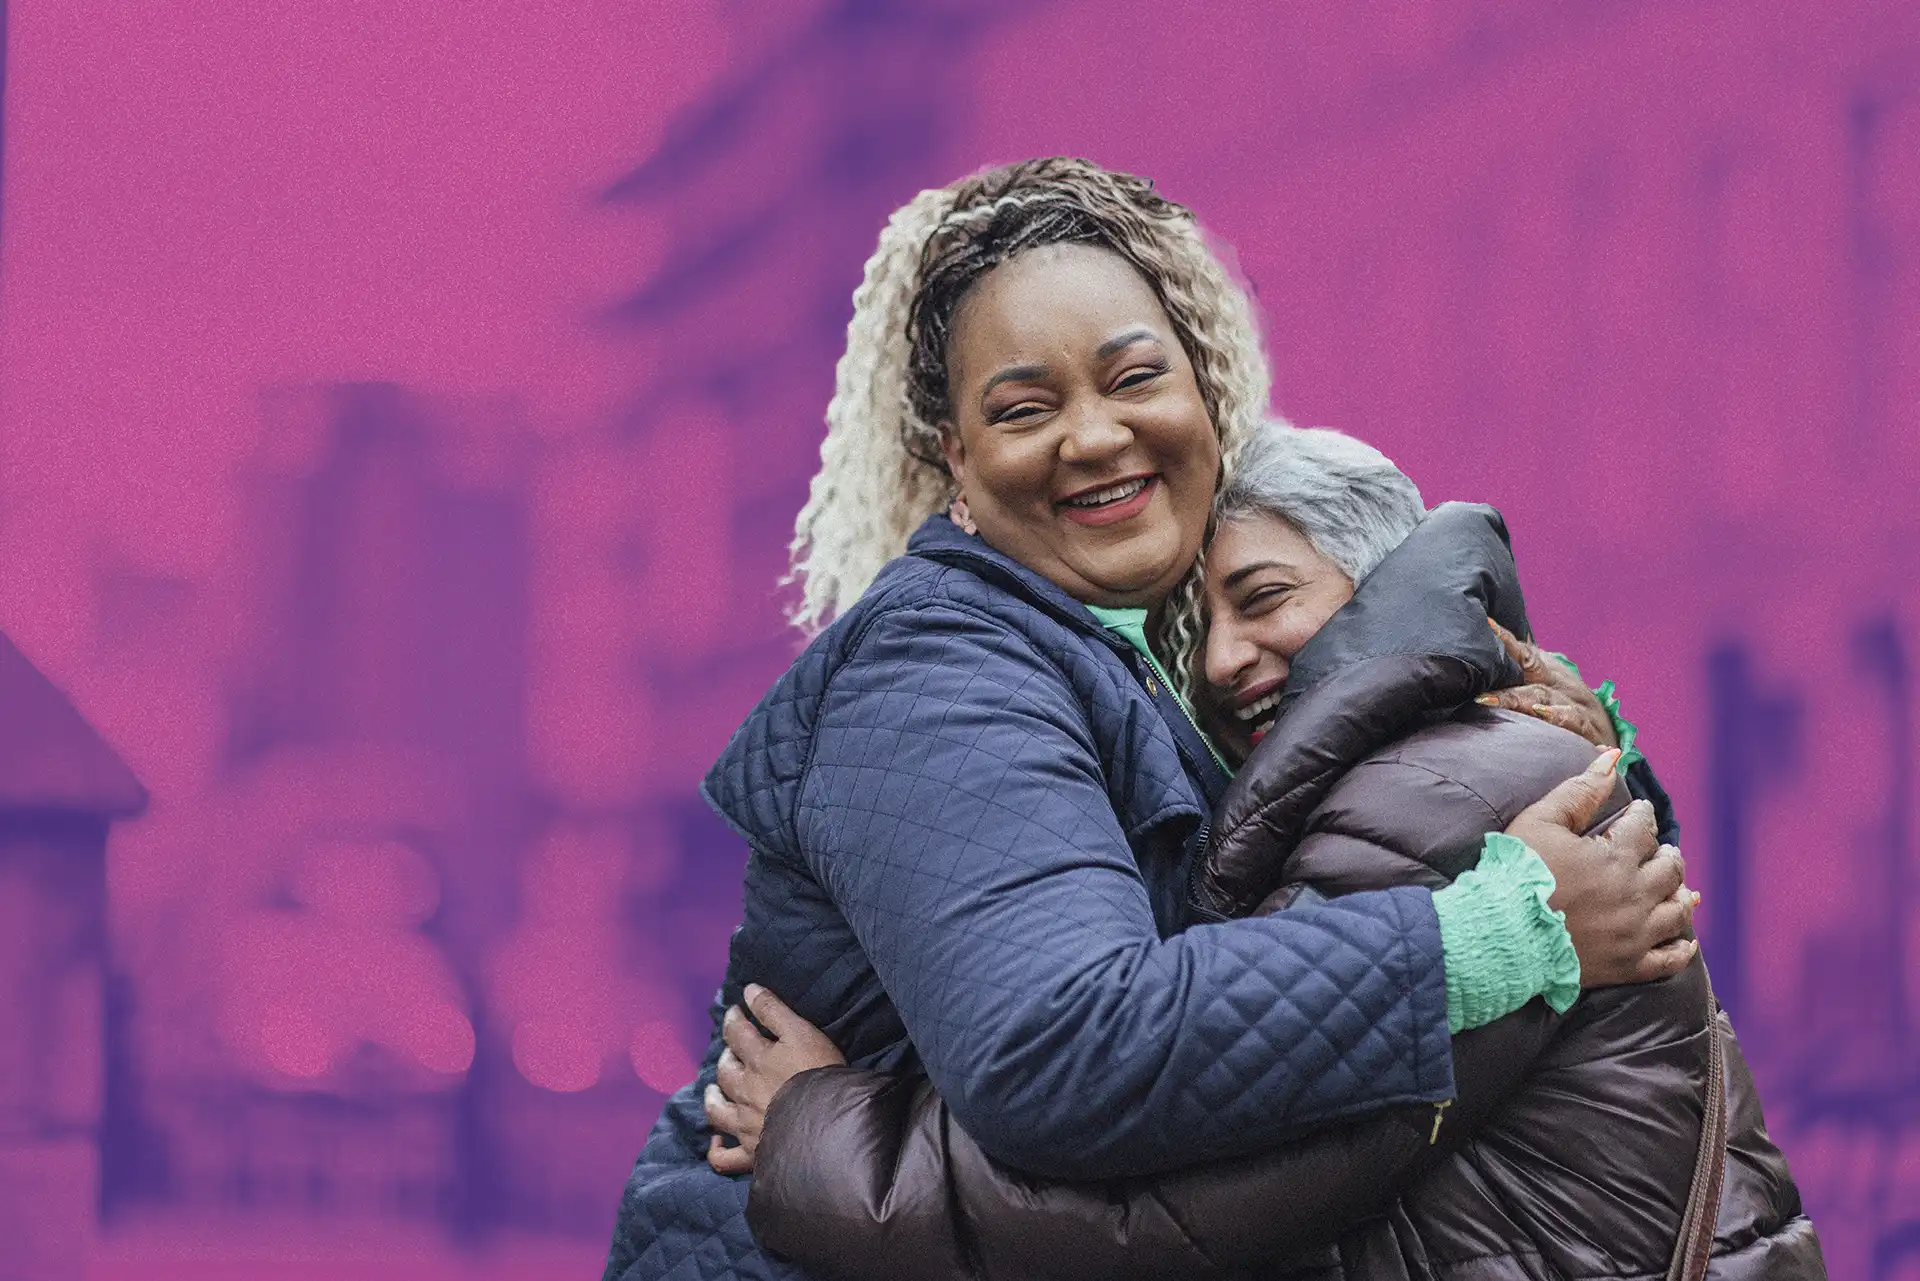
939 539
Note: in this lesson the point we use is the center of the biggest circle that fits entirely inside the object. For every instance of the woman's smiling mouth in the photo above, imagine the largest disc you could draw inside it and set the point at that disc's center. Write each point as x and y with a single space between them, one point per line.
1256 714
1110 503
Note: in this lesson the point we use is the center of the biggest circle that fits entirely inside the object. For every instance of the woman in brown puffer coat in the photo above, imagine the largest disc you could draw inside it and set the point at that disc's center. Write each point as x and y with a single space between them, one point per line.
1575 1142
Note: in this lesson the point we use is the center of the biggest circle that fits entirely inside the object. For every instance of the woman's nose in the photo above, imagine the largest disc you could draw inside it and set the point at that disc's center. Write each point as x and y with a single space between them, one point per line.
1227 655
1093 435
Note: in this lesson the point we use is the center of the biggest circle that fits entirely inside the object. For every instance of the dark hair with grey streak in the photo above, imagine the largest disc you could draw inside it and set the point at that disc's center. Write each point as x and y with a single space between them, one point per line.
1345 496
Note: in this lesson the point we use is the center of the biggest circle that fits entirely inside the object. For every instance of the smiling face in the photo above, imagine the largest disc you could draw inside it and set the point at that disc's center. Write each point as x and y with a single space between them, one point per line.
1078 435
1268 591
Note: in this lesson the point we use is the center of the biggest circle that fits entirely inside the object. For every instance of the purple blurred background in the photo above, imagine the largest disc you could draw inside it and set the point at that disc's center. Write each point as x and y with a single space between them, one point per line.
403 411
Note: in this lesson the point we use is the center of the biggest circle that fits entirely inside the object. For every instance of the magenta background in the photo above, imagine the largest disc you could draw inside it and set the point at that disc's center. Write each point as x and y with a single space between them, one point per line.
403 409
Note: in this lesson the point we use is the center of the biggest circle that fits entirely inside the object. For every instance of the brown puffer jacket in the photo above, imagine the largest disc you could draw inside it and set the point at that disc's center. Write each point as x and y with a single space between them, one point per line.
1569 1150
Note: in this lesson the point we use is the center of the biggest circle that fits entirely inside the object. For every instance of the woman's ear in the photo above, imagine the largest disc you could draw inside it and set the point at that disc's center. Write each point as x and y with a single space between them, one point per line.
956 454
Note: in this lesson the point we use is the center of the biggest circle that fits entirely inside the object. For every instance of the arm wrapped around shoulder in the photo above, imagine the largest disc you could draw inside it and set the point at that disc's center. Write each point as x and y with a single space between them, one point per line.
866 1176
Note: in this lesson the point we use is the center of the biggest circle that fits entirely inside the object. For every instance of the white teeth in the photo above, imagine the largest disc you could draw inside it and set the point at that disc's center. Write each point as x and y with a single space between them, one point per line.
1266 704
1114 495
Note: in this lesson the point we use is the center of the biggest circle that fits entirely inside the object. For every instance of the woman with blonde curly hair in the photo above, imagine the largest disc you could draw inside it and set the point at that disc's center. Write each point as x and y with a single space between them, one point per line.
974 801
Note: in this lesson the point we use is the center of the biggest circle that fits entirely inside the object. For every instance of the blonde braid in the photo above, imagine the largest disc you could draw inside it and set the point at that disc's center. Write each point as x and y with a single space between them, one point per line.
871 491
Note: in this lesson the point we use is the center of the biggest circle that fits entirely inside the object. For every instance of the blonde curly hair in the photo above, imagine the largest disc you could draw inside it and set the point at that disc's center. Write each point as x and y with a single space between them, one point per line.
882 471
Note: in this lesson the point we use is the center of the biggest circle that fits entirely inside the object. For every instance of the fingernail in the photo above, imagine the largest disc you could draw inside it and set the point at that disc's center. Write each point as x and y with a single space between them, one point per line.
1487 700
1540 709
713 1094
753 991
1603 763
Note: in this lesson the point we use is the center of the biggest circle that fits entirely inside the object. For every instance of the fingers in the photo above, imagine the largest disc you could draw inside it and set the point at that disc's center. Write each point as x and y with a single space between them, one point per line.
728 1160
1573 803
1566 718
1521 698
734 1080
728 1117
1664 875
1637 832
797 1045
1519 651
1556 706
1686 896
1672 919
1665 961
742 1037
1680 862
774 1014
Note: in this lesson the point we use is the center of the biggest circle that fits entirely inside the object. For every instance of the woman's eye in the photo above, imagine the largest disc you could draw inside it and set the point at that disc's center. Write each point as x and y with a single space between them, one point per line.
1018 413
1264 598
1139 378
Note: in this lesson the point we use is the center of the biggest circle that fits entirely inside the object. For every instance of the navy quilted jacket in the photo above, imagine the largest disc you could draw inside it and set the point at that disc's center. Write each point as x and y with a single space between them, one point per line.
972 821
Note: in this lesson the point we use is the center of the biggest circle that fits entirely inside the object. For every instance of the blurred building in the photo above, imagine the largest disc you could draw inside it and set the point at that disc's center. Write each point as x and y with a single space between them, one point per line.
316 1042
1843 1075
61 787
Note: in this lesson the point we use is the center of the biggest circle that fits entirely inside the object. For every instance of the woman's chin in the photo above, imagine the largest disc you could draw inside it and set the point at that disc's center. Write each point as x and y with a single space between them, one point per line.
1233 740
1140 571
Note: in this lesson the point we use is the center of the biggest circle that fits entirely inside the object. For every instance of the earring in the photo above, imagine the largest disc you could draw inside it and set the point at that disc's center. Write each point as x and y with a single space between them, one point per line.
957 513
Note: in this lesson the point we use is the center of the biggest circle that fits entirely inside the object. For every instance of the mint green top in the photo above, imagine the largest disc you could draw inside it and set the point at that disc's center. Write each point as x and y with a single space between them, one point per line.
1500 942
1131 626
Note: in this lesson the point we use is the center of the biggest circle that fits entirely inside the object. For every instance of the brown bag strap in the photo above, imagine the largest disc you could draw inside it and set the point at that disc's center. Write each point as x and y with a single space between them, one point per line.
1695 1247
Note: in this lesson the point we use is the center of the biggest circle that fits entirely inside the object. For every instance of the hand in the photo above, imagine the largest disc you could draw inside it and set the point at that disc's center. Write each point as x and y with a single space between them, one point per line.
752 1069
1551 692
1627 904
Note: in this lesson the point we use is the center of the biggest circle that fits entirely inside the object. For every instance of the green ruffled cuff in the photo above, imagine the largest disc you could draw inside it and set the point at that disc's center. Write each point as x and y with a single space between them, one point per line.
1503 945
1624 730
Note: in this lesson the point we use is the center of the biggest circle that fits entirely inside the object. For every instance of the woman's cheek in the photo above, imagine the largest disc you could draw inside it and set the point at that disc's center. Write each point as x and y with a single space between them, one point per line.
1294 630
1027 467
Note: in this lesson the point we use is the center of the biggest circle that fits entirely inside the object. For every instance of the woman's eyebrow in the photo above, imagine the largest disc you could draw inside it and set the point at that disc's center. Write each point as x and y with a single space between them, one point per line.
1120 342
1241 573
1014 374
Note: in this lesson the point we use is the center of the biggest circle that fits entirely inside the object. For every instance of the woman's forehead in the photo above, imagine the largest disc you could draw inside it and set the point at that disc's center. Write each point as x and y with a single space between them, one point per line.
1258 539
1053 303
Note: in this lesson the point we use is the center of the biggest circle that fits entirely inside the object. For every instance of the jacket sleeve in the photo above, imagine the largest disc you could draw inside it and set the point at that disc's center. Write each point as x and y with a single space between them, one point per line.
957 810
858 1173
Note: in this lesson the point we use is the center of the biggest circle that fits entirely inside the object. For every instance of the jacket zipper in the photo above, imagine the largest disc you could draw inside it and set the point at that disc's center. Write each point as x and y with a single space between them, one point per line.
1196 901
1174 693
1439 1115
